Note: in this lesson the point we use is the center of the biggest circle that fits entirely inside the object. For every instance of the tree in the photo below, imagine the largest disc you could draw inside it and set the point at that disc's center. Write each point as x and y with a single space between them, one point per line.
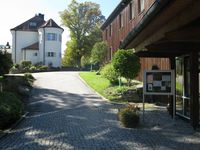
70 56
99 52
127 64
82 19
5 62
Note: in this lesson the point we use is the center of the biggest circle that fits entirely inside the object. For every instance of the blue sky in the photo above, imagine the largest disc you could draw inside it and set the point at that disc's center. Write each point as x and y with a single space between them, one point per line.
15 12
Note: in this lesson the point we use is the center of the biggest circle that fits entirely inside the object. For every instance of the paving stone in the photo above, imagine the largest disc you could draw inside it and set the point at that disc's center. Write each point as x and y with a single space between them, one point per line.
66 114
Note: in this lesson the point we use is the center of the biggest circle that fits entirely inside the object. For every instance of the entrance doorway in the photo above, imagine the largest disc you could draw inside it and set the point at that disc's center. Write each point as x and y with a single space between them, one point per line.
183 86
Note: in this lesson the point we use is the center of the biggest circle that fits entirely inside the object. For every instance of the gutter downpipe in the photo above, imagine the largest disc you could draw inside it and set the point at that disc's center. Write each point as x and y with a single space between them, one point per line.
15 46
149 15
44 47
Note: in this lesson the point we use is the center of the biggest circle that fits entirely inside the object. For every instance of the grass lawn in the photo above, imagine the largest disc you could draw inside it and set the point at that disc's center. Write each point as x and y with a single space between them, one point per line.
100 85
97 82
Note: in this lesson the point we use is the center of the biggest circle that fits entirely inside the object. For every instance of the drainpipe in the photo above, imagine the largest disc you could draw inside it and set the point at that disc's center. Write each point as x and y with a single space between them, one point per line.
147 18
15 46
44 46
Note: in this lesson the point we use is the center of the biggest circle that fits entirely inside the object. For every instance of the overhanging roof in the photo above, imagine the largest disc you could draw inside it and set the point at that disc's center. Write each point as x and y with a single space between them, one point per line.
34 46
175 43
157 6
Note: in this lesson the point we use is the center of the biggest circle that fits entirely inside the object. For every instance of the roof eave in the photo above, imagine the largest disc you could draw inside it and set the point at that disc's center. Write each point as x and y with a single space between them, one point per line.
115 13
149 15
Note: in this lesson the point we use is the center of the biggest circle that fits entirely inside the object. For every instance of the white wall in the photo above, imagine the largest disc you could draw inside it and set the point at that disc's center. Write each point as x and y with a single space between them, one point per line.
23 39
51 46
26 38
29 55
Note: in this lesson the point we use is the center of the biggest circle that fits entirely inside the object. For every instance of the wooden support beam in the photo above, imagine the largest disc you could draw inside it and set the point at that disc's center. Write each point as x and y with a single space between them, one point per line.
190 34
176 47
171 104
194 89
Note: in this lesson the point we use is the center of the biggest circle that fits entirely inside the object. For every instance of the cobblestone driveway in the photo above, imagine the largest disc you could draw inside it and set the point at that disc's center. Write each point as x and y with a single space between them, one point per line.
65 114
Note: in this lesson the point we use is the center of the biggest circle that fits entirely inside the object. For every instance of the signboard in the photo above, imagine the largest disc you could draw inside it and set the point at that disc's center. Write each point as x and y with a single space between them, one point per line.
159 82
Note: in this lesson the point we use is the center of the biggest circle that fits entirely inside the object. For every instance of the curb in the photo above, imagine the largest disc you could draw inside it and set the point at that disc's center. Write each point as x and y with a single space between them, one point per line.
105 99
7 131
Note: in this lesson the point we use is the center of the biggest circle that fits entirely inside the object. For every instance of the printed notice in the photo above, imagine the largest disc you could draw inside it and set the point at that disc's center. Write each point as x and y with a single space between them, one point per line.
157 83
150 87
166 78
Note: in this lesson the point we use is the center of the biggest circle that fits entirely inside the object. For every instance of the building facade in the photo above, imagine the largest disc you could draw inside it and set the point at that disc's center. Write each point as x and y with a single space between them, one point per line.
163 29
38 41
126 16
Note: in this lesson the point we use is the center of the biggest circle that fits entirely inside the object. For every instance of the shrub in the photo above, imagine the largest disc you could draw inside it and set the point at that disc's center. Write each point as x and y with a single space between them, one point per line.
14 70
129 116
29 78
5 62
25 66
33 69
109 73
19 85
11 109
126 64
42 68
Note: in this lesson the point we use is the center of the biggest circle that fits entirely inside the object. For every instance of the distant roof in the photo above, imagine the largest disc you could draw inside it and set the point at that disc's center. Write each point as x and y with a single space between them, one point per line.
32 24
50 23
35 23
34 46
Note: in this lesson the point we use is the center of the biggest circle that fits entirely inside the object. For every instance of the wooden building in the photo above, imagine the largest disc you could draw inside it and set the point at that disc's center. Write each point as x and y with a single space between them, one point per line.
163 32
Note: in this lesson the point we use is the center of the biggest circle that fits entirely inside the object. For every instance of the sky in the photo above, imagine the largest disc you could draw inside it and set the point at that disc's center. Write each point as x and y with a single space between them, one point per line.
15 12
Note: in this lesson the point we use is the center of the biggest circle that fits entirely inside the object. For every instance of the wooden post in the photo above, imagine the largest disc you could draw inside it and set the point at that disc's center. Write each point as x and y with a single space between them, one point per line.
194 89
173 98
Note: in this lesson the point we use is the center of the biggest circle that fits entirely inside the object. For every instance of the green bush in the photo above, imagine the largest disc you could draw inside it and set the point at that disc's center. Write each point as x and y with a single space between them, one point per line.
14 70
42 68
33 69
109 73
29 77
126 64
129 116
11 109
5 62
26 64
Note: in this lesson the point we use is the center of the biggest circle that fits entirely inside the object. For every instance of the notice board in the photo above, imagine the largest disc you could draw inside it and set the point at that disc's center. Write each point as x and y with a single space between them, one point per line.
159 82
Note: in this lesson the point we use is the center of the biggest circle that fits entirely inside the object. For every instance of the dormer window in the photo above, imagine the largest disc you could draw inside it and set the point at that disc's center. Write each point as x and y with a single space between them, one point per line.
32 24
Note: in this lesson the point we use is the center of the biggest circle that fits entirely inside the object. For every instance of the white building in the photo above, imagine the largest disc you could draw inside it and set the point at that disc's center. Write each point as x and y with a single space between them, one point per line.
38 41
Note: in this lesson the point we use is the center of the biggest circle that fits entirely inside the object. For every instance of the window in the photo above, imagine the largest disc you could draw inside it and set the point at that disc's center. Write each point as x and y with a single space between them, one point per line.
110 30
106 34
51 54
131 10
110 55
35 54
32 24
51 36
60 37
140 5
183 86
121 21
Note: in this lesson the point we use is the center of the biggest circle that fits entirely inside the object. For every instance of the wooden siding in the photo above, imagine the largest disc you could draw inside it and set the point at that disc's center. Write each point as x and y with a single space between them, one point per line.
118 34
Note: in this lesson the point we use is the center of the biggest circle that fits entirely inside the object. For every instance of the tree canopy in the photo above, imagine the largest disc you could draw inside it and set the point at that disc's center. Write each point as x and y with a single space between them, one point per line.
83 21
127 64
99 52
